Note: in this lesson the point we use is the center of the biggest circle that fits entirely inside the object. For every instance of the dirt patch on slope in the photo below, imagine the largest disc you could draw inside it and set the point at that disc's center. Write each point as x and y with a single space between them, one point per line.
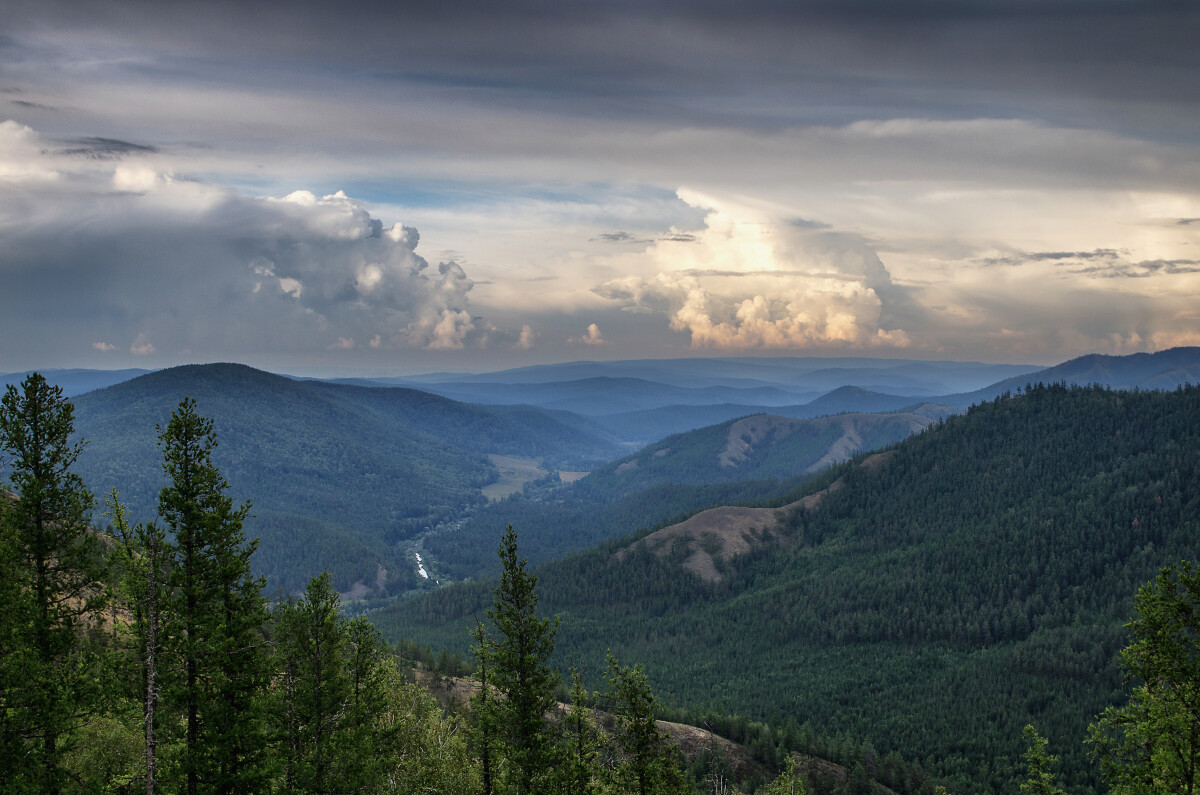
746 433
851 442
711 539
693 742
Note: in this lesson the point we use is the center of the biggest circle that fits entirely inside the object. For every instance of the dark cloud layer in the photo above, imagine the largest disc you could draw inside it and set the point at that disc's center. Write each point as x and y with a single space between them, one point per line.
1005 156
1123 65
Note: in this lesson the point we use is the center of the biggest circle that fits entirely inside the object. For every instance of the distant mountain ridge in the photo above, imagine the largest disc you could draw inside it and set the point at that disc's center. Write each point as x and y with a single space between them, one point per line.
972 581
337 474
75 381
1163 370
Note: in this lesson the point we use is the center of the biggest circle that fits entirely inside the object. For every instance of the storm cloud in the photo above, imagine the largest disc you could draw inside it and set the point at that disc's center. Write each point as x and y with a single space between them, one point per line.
183 180
123 256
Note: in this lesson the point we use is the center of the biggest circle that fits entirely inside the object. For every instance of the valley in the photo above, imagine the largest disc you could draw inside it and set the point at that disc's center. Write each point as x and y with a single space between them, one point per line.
924 579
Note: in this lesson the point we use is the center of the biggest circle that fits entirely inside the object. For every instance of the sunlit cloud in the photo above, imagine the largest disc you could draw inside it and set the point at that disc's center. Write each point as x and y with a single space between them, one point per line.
750 281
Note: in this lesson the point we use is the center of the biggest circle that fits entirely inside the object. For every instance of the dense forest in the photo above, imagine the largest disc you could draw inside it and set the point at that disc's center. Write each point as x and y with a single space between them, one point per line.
662 482
976 581
905 632
145 657
337 474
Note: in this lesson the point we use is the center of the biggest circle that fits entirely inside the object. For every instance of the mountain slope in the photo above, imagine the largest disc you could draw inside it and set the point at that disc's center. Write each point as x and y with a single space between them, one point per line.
75 381
337 474
1162 370
974 581
761 458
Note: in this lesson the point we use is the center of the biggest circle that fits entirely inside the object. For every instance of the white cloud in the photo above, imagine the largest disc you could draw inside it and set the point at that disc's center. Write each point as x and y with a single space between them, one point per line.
104 347
212 272
526 340
21 156
591 337
142 346
341 344
751 280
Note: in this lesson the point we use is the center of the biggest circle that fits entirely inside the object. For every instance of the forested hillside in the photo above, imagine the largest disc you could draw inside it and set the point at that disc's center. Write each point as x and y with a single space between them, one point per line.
760 459
975 581
336 474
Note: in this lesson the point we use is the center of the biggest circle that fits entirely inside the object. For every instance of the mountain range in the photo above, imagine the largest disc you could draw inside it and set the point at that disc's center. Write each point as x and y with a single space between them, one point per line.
759 559
337 475
931 599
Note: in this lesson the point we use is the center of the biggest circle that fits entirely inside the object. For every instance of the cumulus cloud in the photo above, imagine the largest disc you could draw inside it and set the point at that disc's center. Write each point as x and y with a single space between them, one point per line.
142 346
590 337
206 271
753 280
526 340
104 347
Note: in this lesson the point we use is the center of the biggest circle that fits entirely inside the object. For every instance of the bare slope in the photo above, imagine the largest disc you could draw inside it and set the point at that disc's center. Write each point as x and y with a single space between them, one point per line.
710 540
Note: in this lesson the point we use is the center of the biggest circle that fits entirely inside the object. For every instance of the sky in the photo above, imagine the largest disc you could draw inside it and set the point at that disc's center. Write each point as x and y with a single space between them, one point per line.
391 188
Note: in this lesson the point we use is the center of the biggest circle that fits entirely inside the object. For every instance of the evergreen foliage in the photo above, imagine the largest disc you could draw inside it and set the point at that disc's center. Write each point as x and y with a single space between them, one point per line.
1152 743
329 694
975 581
52 589
1040 780
143 559
523 675
646 764
223 667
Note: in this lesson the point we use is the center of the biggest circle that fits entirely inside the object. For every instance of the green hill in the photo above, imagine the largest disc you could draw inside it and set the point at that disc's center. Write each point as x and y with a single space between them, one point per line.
760 459
337 475
974 580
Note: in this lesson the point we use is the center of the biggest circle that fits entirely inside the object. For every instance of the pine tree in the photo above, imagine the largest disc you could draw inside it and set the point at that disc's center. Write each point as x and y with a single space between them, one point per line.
143 552
330 695
483 709
523 674
1041 762
1152 744
647 765
585 741
219 612
53 584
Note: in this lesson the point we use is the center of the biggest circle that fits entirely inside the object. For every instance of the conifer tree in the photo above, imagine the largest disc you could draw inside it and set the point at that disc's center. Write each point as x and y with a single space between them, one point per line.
1040 780
585 740
483 709
1152 744
647 765
53 575
523 674
219 612
331 694
143 552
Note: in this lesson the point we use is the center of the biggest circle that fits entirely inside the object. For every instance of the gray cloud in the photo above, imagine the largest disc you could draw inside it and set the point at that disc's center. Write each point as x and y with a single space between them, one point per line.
1140 270
105 148
158 265
1101 263
761 63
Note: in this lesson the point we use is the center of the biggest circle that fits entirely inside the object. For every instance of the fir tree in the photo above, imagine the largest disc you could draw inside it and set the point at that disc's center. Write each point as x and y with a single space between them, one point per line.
584 738
143 552
1152 744
330 695
1041 762
523 674
483 709
53 583
647 765
220 611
